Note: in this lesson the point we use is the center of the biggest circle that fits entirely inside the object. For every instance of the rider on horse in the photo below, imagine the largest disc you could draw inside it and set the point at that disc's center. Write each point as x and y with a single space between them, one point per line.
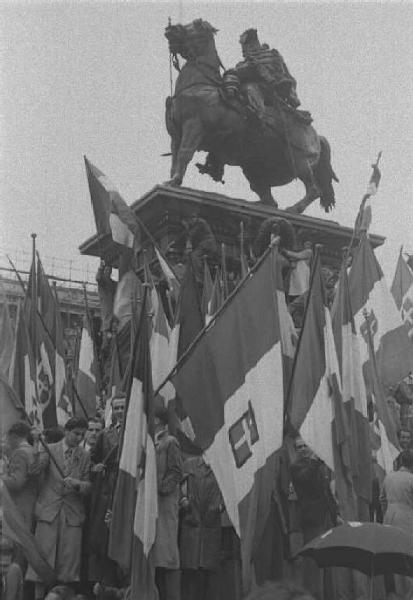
264 75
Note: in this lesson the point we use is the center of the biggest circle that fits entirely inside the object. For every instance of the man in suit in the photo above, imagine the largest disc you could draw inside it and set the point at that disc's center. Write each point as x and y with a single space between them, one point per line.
60 510
169 476
94 427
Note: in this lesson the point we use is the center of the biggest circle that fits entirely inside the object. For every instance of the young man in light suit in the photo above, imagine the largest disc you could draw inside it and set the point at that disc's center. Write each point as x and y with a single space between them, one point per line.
60 510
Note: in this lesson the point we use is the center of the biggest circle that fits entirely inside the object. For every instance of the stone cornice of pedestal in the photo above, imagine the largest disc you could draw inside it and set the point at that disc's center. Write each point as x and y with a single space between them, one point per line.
163 208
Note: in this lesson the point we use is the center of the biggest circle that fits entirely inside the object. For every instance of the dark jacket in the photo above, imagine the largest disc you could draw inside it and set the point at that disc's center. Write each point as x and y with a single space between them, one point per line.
105 451
22 480
318 508
200 540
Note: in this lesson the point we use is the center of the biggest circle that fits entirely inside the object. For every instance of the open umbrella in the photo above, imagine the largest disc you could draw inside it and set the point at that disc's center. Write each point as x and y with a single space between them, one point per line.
372 548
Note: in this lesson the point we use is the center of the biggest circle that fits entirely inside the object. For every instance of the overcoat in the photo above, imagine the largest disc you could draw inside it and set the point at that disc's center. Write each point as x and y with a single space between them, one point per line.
21 481
397 501
200 538
169 474
105 451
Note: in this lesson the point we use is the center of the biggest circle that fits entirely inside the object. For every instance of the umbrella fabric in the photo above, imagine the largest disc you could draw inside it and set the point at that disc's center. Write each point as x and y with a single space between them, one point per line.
372 548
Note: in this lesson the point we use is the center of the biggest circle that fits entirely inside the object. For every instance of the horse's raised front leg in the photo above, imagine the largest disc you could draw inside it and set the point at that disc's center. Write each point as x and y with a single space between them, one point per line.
312 191
192 133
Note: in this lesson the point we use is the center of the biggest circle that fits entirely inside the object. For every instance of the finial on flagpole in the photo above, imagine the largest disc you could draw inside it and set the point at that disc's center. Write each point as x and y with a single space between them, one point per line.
376 164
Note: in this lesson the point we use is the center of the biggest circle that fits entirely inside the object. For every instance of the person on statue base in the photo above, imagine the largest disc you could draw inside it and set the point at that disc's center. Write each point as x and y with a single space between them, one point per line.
60 511
318 513
200 534
169 476
104 457
200 242
300 272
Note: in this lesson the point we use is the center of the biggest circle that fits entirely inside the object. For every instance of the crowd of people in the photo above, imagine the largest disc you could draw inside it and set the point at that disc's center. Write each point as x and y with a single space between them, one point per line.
63 482
63 490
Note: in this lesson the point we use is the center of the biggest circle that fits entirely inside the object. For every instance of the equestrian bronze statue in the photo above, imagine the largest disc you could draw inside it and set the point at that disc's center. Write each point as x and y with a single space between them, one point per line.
247 116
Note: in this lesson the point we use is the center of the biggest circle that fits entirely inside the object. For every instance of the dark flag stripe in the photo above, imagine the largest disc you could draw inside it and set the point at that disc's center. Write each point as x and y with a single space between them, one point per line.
310 361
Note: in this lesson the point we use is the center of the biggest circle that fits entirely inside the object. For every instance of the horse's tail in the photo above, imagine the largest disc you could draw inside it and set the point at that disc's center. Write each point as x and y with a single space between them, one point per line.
325 175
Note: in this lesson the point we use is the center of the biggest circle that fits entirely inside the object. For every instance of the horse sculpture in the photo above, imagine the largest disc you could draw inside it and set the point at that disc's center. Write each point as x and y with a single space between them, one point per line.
199 116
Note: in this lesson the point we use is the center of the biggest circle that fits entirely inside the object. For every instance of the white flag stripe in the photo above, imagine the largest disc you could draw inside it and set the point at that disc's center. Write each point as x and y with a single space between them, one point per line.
287 327
86 354
353 380
164 265
406 311
262 389
387 453
321 412
134 439
385 310
107 183
30 402
121 234
144 527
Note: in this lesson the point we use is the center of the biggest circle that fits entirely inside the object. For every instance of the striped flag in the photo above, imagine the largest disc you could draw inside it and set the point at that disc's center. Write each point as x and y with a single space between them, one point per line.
136 497
171 279
86 374
387 444
112 214
7 336
354 395
289 338
231 386
316 403
23 371
364 216
402 292
369 292
49 313
163 348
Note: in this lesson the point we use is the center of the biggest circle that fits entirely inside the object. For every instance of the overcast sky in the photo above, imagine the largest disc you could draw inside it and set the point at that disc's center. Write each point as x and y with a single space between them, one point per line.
91 78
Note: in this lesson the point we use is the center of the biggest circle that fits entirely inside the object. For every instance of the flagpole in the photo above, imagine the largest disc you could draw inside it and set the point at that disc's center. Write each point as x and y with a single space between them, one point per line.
20 280
34 311
42 441
363 201
152 239
310 289
224 272
227 301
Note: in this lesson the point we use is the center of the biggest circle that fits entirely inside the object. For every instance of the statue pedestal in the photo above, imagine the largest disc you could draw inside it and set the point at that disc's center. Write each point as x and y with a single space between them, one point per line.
163 209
